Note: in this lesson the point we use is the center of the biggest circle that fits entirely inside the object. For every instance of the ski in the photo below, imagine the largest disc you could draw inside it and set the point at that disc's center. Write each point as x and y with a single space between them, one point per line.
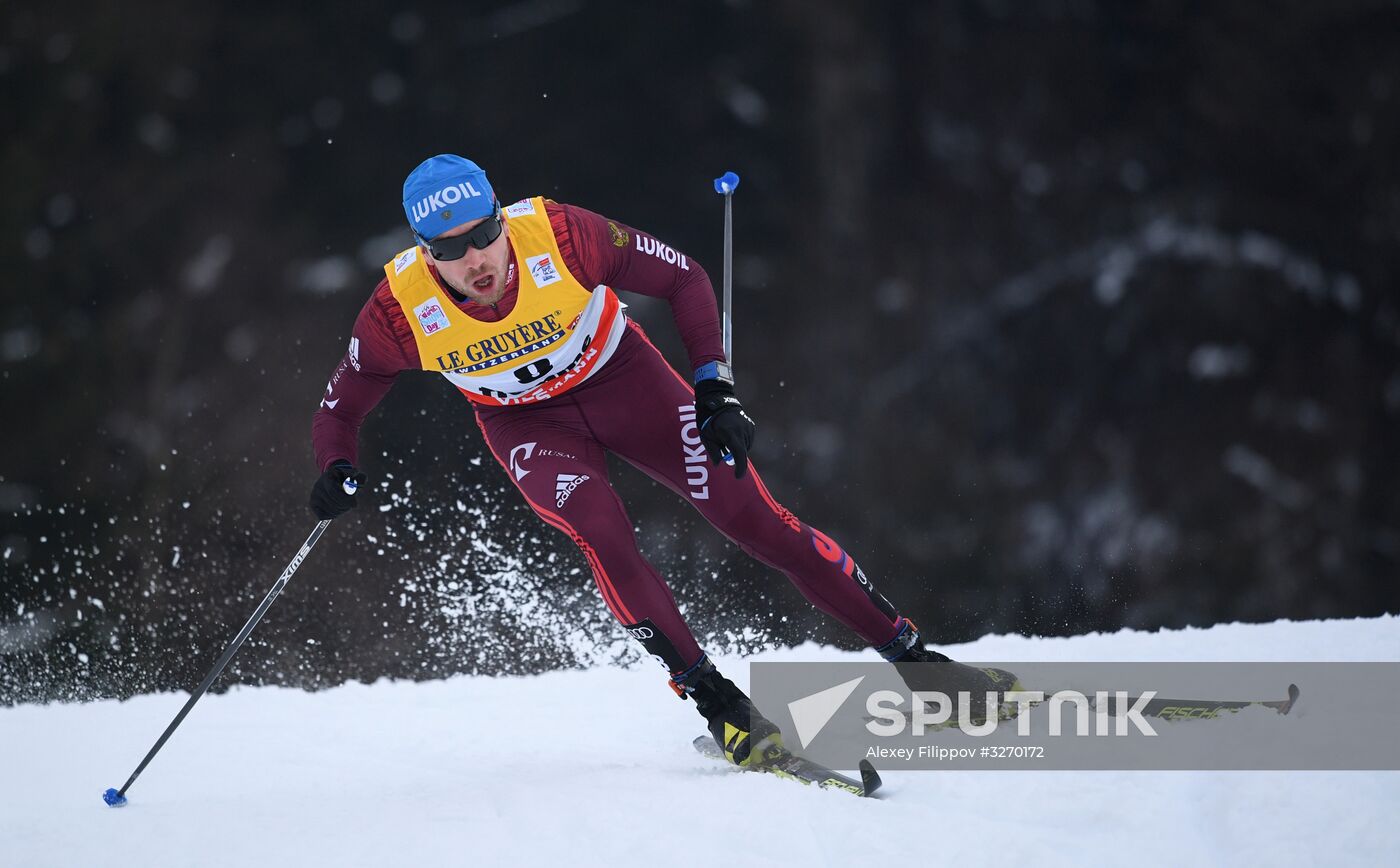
1202 709
1164 709
796 768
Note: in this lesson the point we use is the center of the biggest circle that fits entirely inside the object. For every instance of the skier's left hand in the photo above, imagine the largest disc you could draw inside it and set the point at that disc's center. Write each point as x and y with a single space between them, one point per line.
724 426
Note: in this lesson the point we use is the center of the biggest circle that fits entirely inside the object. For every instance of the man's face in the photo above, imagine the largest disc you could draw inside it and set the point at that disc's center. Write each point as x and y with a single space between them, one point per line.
481 274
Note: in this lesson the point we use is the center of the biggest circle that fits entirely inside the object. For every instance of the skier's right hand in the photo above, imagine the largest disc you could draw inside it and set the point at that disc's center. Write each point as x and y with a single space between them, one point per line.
329 499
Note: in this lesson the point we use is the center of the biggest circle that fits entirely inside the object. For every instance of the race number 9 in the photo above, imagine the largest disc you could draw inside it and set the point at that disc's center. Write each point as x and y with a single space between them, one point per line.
528 374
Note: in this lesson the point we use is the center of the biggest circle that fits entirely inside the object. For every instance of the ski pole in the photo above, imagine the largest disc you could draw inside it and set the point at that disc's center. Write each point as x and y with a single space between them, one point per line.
116 798
725 185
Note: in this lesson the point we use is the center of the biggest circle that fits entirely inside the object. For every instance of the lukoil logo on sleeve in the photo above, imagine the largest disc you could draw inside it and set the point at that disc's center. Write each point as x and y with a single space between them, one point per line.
664 252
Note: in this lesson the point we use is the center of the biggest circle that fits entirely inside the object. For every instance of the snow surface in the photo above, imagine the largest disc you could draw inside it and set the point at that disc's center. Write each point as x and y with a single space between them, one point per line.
595 768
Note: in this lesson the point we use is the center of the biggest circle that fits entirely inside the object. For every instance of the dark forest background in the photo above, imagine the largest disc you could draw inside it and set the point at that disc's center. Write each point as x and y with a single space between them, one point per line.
1061 316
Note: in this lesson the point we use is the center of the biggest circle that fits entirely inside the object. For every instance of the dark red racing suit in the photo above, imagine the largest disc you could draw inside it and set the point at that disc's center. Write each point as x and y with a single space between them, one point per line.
635 406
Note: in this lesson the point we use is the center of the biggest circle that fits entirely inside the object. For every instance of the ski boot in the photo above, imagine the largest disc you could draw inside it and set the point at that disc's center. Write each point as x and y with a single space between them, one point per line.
907 652
741 731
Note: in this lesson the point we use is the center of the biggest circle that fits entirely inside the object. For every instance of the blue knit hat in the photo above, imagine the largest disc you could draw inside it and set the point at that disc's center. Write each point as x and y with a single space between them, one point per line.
444 192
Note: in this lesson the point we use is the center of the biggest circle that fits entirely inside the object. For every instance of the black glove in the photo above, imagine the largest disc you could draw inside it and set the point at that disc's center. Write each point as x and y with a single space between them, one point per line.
724 426
328 496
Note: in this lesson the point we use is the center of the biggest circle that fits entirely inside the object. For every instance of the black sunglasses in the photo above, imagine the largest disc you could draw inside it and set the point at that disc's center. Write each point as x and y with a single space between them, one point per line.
481 236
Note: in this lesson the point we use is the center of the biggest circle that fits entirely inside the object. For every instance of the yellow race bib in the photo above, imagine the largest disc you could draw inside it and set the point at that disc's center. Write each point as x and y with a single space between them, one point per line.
558 334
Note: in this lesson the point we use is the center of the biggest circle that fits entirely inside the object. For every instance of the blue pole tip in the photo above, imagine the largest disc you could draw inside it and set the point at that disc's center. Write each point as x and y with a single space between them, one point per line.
726 183
114 798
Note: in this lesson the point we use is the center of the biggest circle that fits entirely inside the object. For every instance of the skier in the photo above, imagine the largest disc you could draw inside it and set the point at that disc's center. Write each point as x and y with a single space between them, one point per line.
516 307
